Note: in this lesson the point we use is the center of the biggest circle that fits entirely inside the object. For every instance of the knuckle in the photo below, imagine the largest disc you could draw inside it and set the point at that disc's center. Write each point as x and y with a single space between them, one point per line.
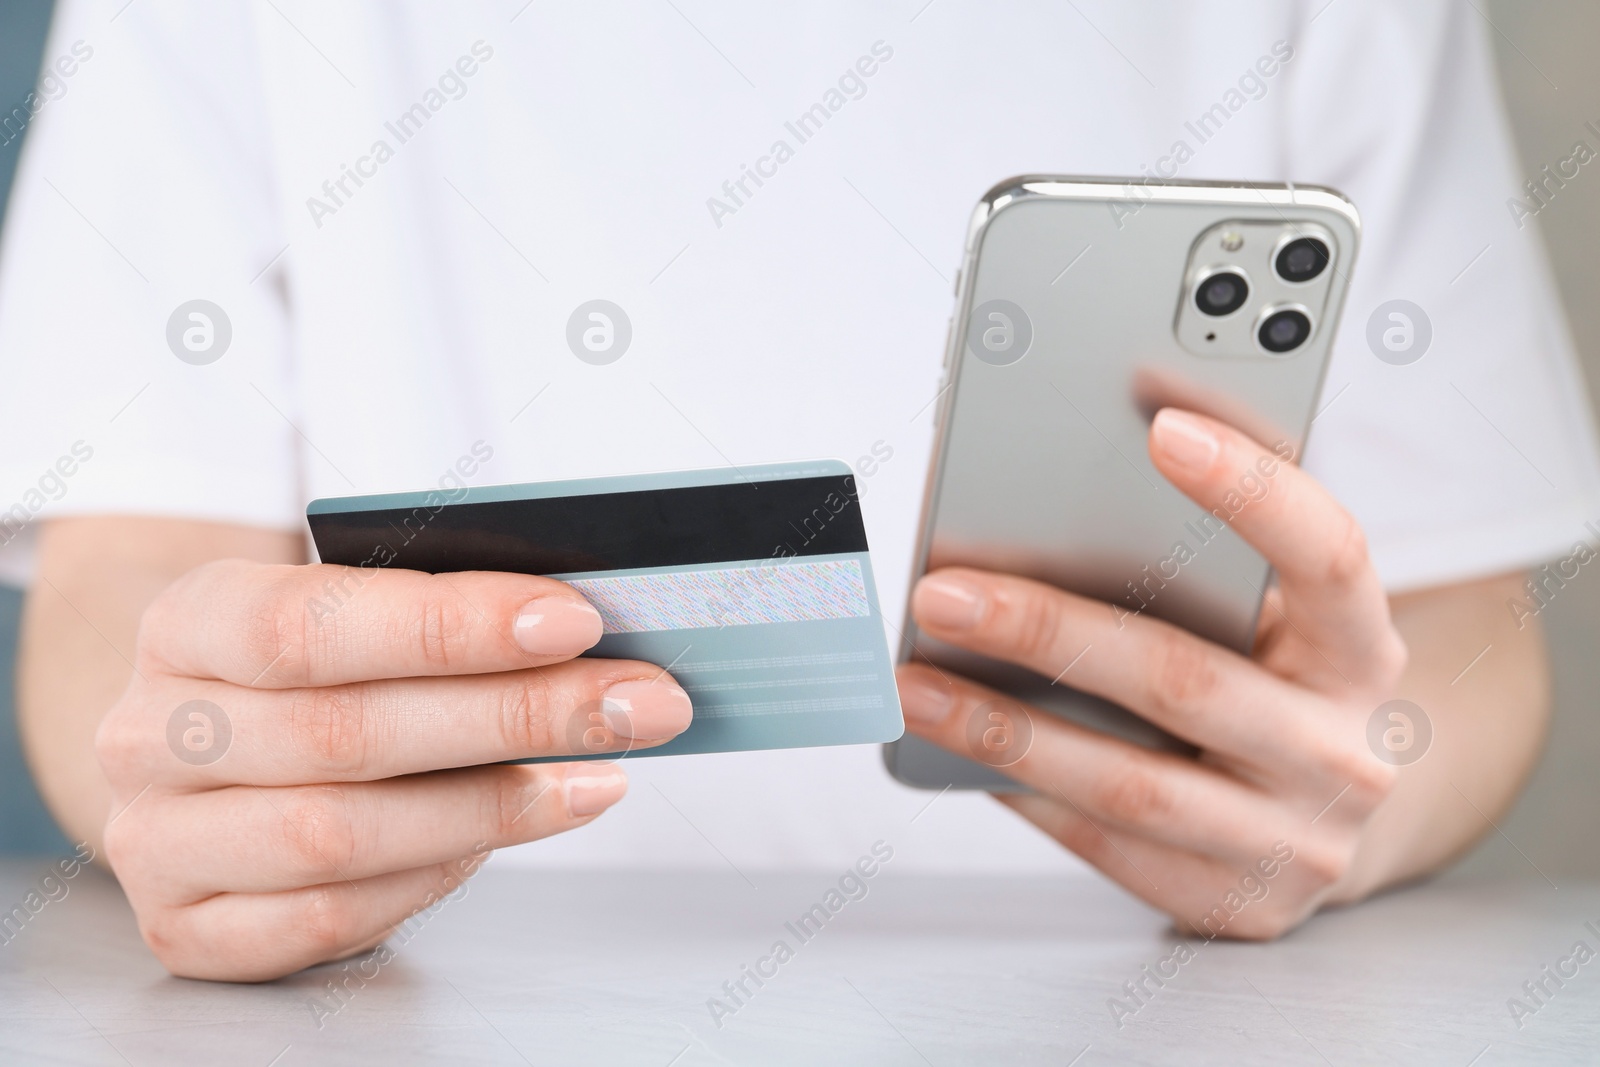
1134 795
174 939
278 628
515 800
1391 657
116 741
1324 864
1079 836
169 606
325 921
120 842
328 726
1182 674
1349 561
448 879
162 932
154 620
1032 622
316 836
439 626
525 717
1370 779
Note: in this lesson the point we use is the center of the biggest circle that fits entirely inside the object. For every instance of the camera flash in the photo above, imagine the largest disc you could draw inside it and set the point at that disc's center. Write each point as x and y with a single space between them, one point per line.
1232 241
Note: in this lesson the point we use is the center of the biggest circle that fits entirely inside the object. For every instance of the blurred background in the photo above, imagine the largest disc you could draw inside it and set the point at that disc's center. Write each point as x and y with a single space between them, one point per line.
24 825
1552 89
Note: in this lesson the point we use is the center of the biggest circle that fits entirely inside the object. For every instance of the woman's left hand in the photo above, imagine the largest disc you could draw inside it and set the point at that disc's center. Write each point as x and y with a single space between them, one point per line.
1263 827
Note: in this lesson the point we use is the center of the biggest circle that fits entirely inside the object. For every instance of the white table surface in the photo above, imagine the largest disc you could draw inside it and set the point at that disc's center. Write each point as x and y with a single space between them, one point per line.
536 968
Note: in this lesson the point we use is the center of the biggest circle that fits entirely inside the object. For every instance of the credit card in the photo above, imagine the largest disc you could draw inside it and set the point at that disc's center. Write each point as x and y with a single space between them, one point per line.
753 586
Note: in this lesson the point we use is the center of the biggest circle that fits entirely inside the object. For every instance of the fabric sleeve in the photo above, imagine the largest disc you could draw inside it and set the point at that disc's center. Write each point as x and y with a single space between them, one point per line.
146 185
1472 451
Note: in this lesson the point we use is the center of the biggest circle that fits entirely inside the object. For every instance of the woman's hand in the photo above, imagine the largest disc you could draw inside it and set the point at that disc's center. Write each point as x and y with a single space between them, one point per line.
306 755
1263 827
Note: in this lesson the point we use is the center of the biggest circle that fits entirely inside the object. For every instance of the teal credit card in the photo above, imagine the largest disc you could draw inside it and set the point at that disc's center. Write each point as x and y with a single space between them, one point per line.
752 586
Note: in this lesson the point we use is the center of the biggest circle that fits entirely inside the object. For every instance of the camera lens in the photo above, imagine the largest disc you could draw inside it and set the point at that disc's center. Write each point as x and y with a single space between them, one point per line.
1302 259
1284 331
1222 293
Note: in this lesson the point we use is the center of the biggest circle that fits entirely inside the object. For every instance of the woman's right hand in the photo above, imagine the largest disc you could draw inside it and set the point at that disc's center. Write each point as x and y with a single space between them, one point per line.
308 755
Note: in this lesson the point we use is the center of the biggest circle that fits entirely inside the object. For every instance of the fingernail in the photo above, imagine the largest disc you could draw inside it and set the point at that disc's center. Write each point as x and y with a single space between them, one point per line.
924 700
1186 440
647 711
557 626
947 602
592 788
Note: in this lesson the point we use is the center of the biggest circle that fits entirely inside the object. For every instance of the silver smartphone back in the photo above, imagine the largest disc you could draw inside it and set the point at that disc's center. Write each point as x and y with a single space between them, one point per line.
1084 306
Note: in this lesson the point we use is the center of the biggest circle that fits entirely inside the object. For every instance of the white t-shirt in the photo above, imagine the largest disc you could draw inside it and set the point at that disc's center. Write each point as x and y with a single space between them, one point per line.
398 207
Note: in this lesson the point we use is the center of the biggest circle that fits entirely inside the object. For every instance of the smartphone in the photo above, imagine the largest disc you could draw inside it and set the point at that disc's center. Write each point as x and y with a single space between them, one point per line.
1084 306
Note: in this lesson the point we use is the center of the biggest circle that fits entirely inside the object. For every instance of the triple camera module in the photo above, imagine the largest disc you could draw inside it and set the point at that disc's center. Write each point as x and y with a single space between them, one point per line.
1224 313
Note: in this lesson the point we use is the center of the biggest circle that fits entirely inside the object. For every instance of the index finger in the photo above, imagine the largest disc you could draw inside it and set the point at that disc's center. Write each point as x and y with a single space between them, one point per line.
282 627
1331 591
